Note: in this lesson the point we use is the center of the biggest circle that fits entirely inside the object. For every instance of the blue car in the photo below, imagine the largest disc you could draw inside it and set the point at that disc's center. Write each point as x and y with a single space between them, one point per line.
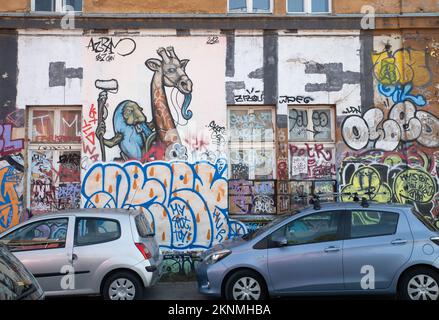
336 249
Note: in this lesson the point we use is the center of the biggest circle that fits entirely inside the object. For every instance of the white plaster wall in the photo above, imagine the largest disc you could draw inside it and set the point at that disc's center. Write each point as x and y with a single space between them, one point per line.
36 50
296 51
249 56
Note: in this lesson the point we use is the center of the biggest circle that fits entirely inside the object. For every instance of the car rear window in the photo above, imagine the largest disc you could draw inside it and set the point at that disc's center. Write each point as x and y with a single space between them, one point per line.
90 231
425 221
142 225
372 223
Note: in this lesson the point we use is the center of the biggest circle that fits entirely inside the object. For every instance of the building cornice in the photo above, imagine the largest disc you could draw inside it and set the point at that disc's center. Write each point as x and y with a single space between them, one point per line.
215 21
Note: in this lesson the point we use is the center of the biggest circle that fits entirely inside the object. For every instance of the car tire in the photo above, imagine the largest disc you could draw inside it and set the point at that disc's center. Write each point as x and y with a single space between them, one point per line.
245 285
122 286
419 284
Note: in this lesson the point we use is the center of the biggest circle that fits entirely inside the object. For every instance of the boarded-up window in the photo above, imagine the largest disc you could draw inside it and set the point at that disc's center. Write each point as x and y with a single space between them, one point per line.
54 159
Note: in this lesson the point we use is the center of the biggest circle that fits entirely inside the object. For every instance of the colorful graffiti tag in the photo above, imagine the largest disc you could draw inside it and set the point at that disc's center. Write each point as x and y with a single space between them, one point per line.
404 123
7 144
399 72
252 197
186 203
11 193
393 164
389 177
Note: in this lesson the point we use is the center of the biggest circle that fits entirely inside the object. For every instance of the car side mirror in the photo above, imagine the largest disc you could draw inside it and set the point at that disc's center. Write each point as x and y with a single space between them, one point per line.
280 241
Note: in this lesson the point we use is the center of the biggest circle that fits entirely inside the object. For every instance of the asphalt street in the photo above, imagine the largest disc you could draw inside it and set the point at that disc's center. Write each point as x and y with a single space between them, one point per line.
189 291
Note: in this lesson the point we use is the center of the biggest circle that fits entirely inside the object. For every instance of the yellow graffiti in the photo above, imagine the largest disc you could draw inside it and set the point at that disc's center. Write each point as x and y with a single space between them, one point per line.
366 182
402 67
414 185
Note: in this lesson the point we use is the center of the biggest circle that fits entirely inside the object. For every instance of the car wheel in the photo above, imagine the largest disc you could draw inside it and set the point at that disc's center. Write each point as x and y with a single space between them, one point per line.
122 286
245 285
419 284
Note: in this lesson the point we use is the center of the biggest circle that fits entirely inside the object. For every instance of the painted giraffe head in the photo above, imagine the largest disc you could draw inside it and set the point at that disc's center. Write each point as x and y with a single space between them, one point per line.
171 69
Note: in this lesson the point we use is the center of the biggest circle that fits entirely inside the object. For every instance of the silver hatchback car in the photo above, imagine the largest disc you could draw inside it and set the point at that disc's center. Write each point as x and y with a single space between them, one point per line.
88 251
335 249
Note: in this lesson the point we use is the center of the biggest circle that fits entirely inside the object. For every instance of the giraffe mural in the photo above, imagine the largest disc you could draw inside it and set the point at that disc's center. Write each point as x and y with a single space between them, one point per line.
137 138
168 72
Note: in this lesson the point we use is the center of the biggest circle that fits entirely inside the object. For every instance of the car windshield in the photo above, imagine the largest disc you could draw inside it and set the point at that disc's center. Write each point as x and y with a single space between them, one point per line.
426 221
261 230
15 281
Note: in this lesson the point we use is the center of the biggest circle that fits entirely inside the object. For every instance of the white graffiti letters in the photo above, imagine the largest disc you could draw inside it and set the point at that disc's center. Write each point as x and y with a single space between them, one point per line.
404 123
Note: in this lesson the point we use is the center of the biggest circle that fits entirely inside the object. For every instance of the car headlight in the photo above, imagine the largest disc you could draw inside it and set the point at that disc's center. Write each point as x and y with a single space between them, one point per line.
217 256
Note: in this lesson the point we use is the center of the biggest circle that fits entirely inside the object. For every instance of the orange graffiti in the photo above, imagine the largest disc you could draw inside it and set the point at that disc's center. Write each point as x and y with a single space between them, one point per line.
9 202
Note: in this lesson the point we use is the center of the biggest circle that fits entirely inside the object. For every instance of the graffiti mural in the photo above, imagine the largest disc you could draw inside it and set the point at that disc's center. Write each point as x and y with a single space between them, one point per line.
7 144
404 123
252 197
136 137
407 177
181 264
186 203
11 195
393 159
312 161
399 72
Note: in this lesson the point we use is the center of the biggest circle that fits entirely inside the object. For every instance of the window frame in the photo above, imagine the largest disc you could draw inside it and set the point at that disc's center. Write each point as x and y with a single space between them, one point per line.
250 145
59 7
250 10
35 222
310 109
307 9
57 148
339 234
348 224
78 219
329 144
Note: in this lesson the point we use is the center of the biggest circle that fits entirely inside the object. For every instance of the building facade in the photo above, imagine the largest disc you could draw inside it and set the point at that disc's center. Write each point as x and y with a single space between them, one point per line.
214 116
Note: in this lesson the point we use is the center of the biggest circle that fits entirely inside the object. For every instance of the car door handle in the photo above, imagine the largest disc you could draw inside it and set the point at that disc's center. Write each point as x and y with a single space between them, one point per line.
398 242
74 257
332 249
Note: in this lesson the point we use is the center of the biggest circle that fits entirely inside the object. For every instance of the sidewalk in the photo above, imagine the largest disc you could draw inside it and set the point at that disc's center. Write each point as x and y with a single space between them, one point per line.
174 291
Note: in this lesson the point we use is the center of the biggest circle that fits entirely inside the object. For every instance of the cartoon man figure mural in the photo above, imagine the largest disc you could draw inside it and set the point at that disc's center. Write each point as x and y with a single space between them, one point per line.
139 139
133 134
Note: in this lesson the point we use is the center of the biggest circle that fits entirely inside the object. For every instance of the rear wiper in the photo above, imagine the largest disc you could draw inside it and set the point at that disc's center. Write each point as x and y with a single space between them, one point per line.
28 292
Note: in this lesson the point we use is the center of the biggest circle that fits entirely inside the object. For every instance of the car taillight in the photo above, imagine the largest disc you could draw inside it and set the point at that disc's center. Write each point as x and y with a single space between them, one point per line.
146 254
435 240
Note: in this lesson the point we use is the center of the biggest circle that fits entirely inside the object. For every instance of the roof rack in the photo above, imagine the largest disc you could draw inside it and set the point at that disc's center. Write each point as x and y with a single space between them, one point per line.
316 197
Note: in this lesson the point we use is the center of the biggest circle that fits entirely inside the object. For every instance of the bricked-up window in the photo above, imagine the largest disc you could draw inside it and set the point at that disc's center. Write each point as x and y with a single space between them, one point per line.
251 143
250 6
308 6
311 142
54 158
55 5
